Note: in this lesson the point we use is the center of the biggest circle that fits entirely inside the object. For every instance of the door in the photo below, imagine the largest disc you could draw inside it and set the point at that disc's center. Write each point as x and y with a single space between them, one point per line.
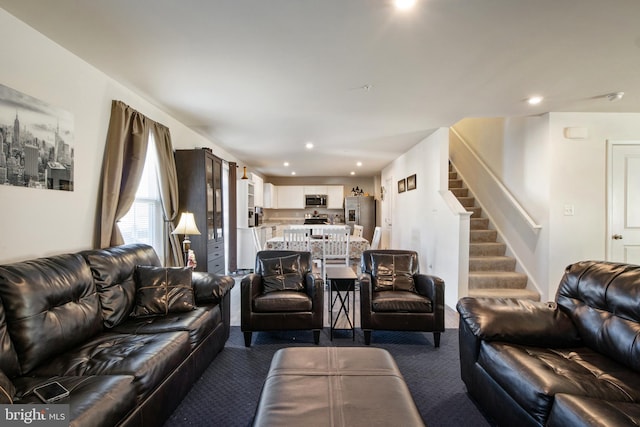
624 202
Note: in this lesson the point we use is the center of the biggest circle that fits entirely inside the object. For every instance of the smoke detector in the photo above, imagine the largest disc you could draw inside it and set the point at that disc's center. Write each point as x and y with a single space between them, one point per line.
615 96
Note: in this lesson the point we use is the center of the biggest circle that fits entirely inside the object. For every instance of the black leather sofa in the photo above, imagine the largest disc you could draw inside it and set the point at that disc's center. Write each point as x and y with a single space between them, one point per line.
68 318
572 362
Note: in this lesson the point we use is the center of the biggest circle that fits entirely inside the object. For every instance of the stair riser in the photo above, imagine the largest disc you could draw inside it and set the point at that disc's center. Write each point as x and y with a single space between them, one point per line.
455 183
459 192
453 175
483 236
492 264
467 202
506 281
505 293
484 249
479 223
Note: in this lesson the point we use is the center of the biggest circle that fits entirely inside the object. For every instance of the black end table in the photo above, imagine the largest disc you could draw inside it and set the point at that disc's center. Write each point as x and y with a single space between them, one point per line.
342 281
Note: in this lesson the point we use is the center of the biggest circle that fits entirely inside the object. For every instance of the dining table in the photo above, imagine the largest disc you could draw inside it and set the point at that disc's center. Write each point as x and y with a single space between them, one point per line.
357 245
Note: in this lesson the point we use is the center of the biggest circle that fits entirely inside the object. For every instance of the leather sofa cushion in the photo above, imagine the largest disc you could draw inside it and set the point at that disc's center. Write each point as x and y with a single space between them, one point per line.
51 305
113 271
392 272
150 358
283 301
199 323
602 300
96 401
8 357
162 290
575 410
282 274
533 375
400 301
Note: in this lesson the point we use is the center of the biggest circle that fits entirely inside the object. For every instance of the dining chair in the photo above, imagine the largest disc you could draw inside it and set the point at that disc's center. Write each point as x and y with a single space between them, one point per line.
335 247
375 241
358 230
296 239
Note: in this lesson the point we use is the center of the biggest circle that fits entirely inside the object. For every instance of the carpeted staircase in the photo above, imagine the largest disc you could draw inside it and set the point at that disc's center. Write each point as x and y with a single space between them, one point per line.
491 272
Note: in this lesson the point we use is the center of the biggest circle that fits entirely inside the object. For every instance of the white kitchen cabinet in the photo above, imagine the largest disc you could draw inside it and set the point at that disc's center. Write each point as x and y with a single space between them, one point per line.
245 203
258 190
335 196
270 196
315 189
290 197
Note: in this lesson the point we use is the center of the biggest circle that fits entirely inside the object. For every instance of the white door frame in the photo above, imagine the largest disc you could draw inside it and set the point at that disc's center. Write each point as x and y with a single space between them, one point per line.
609 232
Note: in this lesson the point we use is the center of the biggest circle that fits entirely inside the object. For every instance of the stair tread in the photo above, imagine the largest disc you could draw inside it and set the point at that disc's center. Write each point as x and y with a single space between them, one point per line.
497 273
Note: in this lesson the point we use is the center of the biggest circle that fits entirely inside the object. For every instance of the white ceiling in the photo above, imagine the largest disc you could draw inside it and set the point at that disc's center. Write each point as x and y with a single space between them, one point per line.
262 77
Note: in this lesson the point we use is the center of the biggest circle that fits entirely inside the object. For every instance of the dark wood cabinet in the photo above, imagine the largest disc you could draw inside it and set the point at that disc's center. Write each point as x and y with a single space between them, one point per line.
200 191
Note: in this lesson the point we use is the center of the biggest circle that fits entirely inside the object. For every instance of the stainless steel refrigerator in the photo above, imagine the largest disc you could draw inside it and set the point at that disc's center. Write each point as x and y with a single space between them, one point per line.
361 210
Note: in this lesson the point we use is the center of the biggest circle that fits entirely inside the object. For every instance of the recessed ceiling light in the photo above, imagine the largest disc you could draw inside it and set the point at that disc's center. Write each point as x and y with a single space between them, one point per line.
535 100
286 164
352 173
615 96
359 164
309 145
404 4
293 172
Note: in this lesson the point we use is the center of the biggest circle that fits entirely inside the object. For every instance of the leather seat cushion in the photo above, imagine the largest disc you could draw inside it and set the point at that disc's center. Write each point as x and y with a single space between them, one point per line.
199 323
574 410
98 401
533 375
343 386
400 301
150 358
282 301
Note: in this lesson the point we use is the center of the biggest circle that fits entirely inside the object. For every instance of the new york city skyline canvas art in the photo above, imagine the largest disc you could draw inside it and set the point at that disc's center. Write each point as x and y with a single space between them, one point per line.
36 142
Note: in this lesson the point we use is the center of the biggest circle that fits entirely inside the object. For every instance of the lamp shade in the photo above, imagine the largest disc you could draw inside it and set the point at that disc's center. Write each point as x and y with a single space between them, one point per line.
186 225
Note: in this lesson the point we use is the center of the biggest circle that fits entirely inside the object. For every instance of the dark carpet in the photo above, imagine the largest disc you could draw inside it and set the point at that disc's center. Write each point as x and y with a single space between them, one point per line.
228 391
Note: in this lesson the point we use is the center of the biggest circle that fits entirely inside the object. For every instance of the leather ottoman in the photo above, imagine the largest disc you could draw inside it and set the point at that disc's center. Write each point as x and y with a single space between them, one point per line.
337 386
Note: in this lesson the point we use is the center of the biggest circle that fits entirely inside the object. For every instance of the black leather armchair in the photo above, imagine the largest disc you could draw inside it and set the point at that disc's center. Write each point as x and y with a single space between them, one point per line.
395 296
282 294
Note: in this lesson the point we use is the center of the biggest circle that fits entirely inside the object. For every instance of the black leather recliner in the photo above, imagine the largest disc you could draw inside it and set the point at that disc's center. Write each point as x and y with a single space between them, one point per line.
395 296
282 294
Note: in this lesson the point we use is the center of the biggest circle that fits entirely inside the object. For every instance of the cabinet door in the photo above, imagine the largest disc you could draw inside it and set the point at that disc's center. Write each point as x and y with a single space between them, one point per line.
209 172
258 190
270 196
218 221
335 196
315 189
290 197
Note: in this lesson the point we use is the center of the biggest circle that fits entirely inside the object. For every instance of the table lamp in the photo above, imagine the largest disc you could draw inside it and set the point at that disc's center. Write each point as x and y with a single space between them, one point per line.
186 226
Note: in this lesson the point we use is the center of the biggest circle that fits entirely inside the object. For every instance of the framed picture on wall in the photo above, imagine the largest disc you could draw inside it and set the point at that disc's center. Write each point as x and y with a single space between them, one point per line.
402 185
411 182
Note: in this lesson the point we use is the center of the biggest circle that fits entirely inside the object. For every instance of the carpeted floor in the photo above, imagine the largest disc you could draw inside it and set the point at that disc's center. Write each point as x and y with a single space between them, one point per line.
227 393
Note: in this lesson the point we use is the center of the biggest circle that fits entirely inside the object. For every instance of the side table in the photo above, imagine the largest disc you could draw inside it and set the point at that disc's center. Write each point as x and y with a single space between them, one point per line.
342 281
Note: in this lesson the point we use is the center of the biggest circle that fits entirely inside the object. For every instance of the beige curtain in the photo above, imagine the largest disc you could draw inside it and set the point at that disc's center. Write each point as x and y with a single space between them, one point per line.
126 148
168 183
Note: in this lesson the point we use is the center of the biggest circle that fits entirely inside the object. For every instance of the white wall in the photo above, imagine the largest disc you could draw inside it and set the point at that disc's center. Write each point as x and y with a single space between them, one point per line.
422 220
44 222
546 171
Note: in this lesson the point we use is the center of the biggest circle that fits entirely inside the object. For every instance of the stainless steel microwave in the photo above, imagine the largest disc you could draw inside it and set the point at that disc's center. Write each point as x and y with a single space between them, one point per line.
315 200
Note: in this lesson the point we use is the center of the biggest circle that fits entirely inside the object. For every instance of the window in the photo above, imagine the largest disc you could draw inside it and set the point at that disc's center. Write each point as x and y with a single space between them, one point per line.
144 223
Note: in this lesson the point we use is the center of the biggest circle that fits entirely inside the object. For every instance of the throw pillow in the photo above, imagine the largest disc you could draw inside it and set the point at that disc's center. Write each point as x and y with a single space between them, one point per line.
393 272
161 290
7 389
282 274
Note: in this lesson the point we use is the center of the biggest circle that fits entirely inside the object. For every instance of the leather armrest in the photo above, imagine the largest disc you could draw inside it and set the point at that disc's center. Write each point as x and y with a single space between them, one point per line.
210 288
525 322
431 287
250 288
